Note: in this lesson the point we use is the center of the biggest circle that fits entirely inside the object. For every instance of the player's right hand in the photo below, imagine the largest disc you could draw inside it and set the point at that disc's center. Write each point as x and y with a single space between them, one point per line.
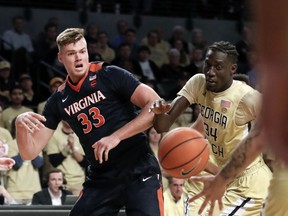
30 121
212 192
160 106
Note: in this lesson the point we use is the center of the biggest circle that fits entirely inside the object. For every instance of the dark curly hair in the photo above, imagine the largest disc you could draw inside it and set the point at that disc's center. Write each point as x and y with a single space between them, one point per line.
226 47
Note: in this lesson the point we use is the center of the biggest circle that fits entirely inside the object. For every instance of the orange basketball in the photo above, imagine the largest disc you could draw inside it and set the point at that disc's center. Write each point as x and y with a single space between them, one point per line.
183 152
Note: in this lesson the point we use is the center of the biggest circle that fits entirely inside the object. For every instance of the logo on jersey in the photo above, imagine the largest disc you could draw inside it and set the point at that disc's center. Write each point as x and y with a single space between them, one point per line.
92 80
145 179
85 102
63 100
225 104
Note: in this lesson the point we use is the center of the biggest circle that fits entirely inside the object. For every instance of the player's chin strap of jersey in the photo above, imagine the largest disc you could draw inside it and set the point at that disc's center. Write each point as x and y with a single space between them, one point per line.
96 66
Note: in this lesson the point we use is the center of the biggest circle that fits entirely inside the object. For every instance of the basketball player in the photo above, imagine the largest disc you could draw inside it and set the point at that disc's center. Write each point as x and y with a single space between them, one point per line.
245 153
99 103
227 106
273 80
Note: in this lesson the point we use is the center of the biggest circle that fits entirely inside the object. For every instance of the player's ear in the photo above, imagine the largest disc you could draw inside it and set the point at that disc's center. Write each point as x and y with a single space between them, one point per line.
199 125
59 56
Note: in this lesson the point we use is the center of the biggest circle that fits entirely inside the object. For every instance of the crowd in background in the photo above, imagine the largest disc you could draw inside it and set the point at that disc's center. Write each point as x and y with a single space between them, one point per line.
30 73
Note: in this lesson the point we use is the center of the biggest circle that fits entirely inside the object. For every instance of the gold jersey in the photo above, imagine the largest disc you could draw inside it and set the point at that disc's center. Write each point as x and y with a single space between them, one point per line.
226 114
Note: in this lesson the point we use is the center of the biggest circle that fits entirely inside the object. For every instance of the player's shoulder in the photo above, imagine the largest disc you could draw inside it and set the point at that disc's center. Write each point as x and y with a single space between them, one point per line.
104 66
197 80
96 66
244 87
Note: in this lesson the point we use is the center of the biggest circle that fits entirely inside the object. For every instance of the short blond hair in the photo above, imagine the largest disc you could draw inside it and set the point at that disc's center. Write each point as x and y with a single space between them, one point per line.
68 36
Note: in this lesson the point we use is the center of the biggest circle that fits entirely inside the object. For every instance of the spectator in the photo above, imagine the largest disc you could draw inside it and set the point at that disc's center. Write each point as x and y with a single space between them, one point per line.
243 47
122 26
46 50
65 153
6 81
178 33
124 59
197 41
45 45
106 52
91 32
149 69
173 70
18 46
169 73
31 98
93 48
6 164
254 59
175 200
16 107
164 44
130 38
23 179
154 139
184 57
54 83
196 61
159 55
5 197
54 192
5 137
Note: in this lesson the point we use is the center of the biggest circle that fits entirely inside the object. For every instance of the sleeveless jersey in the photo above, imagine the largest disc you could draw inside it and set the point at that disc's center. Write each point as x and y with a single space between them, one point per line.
225 114
96 107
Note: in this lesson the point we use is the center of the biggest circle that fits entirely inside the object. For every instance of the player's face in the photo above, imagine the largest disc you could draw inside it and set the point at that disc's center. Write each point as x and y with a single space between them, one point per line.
218 70
75 58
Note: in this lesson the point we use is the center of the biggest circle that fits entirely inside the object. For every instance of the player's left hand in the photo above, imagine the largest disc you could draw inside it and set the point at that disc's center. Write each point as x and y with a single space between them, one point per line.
103 146
213 191
6 163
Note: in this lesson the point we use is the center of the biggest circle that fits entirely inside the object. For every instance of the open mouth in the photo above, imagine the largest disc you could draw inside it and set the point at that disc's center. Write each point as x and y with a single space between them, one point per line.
79 66
210 81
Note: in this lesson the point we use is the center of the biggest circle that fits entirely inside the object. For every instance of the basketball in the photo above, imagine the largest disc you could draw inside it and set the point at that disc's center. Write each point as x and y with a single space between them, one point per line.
183 152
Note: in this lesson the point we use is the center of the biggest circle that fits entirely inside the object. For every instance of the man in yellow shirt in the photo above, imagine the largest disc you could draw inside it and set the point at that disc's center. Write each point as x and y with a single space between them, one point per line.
175 200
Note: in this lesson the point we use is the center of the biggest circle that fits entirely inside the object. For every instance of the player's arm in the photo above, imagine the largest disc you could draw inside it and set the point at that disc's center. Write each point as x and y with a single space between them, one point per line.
166 114
31 134
245 153
142 97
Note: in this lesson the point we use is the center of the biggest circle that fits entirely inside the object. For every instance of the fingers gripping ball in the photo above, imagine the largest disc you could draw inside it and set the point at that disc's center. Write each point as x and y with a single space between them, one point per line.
183 152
